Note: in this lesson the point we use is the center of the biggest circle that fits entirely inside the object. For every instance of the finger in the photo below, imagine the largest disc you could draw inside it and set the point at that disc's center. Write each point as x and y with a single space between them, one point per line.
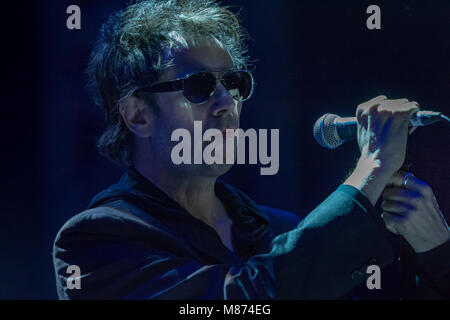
397 113
363 107
399 194
376 99
399 208
409 108
395 102
390 222
400 106
413 183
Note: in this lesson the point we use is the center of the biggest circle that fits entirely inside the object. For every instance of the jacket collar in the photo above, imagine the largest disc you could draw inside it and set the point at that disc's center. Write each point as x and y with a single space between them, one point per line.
250 226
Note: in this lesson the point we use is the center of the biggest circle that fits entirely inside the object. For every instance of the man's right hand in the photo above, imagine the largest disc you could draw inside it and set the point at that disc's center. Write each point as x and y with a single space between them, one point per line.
382 137
383 131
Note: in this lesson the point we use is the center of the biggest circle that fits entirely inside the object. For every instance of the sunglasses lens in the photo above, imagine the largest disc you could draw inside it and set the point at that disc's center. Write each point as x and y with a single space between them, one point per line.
239 84
199 87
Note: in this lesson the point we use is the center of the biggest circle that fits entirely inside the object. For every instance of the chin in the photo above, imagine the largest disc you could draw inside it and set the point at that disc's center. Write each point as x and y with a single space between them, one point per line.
215 170
205 170
212 170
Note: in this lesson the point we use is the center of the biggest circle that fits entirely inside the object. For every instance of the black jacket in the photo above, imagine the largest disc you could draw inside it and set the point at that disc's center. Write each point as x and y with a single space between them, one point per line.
134 242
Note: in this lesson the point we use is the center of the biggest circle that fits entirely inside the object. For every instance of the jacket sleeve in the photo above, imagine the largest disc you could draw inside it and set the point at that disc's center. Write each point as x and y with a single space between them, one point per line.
323 257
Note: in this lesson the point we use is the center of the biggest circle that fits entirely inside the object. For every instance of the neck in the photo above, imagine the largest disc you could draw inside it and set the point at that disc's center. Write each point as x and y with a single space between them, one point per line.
194 193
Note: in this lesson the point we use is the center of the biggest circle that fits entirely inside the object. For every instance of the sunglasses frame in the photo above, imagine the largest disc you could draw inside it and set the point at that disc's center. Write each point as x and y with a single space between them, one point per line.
178 84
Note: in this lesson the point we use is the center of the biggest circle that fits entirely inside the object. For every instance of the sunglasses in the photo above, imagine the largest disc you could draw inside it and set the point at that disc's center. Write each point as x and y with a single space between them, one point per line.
198 87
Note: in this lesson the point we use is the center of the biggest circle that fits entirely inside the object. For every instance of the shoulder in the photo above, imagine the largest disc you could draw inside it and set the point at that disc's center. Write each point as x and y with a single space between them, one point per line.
101 220
107 226
108 239
280 221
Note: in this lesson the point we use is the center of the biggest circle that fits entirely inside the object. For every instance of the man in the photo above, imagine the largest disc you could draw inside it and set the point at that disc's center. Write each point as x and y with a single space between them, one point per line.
167 231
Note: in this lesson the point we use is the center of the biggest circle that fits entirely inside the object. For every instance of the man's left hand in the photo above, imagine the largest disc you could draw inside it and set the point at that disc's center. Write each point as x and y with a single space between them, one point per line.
411 210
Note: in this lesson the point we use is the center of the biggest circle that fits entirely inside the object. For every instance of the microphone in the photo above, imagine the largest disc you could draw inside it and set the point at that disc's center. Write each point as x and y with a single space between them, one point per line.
331 131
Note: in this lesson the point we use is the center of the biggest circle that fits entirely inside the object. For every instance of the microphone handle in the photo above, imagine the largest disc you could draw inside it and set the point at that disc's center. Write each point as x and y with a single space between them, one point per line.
346 128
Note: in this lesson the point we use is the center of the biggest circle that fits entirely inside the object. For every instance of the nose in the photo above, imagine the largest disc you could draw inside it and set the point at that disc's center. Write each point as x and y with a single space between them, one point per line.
223 102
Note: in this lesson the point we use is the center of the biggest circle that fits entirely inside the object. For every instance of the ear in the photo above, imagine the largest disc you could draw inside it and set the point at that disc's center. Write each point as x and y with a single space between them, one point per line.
137 116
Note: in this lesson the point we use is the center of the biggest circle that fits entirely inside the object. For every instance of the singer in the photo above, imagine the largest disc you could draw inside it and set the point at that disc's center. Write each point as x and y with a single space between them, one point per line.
177 232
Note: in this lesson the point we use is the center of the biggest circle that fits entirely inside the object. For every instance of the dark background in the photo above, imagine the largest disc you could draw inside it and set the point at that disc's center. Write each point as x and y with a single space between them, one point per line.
313 57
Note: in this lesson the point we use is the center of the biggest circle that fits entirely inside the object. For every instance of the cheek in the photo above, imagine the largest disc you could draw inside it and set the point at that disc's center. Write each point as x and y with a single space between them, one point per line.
176 112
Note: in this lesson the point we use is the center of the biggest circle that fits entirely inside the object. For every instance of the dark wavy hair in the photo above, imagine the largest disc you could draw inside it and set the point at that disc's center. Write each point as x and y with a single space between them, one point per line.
129 54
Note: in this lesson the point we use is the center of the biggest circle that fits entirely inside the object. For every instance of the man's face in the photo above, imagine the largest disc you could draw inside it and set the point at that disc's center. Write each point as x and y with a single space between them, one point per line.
221 111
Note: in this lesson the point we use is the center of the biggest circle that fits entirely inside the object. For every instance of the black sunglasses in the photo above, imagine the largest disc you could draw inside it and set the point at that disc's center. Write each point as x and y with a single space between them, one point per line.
198 87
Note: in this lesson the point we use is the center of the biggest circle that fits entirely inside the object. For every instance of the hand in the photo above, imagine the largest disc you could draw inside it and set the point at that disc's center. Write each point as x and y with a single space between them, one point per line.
413 212
382 136
383 131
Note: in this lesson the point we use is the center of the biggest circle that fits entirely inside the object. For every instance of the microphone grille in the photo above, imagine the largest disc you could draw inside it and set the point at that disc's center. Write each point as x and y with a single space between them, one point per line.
325 131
